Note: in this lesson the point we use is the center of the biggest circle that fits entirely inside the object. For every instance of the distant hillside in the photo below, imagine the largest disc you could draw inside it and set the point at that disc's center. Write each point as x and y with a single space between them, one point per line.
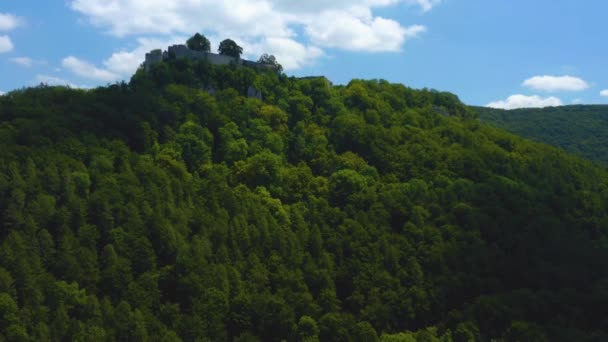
582 130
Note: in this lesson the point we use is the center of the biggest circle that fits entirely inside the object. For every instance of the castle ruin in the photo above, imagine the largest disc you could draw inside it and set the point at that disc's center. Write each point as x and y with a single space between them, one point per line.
182 51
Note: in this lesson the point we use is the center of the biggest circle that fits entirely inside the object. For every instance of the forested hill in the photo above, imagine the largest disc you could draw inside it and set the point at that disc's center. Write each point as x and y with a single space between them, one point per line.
160 211
580 129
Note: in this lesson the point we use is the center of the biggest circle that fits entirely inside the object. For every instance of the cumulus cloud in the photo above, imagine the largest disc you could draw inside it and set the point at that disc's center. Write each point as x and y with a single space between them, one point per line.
290 53
6 44
120 64
253 17
358 30
341 24
604 93
523 101
295 31
249 17
9 21
87 70
556 83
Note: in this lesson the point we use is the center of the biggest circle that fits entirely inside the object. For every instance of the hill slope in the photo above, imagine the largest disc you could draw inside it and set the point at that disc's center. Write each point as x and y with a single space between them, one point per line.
157 211
581 129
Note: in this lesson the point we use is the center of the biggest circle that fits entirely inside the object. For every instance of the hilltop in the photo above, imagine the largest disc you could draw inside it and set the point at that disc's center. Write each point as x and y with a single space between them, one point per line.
177 208
579 129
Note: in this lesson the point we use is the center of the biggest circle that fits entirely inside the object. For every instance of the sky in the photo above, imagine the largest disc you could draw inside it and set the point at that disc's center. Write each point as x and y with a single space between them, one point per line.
500 53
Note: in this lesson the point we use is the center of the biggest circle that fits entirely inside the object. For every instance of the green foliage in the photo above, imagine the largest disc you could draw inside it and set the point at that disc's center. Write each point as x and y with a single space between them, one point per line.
229 48
175 208
270 60
308 329
578 129
199 42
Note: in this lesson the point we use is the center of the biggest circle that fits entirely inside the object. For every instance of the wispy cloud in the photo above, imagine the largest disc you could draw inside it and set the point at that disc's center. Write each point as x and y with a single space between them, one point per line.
26 62
56 81
556 83
523 101
426 5
604 93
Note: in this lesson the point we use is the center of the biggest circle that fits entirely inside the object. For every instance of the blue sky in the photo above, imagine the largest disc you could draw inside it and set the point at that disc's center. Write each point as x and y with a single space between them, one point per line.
504 53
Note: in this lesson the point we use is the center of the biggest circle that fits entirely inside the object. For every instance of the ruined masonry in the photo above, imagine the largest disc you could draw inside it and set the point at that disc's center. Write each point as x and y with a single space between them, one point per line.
182 51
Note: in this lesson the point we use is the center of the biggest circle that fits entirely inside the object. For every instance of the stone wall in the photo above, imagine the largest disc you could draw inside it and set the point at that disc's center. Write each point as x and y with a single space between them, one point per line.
155 56
254 93
214 58
182 51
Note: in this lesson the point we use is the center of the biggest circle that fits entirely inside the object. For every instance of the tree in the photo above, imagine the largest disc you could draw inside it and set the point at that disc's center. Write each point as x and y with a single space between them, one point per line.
271 60
199 42
307 329
229 48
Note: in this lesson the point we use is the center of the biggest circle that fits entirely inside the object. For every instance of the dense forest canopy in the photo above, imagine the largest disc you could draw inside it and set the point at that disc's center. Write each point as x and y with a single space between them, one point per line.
579 129
159 210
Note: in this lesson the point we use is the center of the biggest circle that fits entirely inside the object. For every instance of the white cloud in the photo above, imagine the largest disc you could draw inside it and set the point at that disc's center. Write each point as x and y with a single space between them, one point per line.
23 61
124 63
316 6
26 62
426 5
556 83
358 30
341 24
248 17
260 26
87 70
2 93
290 53
56 81
523 101
6 44
120 65
9 21
604 93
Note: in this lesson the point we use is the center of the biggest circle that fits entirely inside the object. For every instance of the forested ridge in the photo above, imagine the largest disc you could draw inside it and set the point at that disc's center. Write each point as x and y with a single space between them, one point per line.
578 129
175 208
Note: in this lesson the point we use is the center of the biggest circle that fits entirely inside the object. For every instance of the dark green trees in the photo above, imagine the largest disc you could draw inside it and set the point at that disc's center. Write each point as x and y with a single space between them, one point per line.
229 47
578 129
198 42
270 60
176 208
